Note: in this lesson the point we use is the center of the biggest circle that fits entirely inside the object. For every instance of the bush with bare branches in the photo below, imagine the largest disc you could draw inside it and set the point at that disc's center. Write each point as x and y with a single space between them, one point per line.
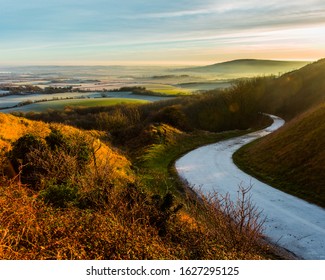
236 224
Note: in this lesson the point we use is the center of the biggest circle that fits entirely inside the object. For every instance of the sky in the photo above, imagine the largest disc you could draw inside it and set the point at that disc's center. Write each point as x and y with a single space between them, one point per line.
159 32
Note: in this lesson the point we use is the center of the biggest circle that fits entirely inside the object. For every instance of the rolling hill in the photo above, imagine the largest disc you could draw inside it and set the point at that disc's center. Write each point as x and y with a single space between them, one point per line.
248 67
297 91
291 159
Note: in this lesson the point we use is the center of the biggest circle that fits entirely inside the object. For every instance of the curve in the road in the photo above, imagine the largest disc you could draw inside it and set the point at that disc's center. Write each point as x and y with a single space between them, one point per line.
292 223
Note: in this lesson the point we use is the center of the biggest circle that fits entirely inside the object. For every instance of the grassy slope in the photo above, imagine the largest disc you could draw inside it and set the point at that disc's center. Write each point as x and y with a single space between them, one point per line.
12 128
291 159
157 160
297 91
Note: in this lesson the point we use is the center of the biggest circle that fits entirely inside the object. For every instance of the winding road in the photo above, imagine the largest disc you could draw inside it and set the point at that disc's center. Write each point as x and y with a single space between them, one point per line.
290 222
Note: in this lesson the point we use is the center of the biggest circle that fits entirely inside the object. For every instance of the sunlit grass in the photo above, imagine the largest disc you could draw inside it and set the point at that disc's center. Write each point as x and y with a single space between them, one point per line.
157 160
12 128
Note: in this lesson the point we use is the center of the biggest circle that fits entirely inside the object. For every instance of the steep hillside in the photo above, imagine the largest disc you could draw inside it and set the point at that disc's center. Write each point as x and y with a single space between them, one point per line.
248 67
296 91
291 159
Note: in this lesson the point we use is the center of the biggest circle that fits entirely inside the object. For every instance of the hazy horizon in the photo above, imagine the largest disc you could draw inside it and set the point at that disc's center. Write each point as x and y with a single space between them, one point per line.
151 65
159 33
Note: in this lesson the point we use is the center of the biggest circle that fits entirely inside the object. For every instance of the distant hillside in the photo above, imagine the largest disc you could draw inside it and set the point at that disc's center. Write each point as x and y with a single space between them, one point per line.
296 91
291 159
249 67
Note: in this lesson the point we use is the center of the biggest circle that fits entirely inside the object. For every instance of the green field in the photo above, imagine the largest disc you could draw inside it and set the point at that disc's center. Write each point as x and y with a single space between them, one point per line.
61 104
166 89
199 86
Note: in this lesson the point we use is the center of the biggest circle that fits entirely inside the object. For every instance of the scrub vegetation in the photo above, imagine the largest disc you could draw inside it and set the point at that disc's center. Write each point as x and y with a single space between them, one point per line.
99 183
67 194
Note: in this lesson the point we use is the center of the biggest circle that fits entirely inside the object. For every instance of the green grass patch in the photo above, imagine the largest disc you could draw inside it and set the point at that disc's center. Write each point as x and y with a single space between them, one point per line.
167 89
61 104
158 160
198 86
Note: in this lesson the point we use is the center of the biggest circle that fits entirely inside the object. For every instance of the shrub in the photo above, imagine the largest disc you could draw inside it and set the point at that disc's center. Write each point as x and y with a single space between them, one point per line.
163 210
23 146
237 224
172 115
57 157
75 146
60 195
82 151
19 157
55 139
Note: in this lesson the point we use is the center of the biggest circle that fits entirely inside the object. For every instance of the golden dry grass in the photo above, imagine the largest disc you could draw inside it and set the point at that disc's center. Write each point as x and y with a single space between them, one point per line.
30 229
12 128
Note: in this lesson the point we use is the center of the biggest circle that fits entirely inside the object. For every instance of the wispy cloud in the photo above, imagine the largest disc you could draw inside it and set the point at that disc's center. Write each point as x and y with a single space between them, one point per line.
93 28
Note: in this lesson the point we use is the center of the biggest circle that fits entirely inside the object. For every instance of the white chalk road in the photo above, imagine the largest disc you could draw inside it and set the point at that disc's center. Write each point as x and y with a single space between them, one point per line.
291 223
